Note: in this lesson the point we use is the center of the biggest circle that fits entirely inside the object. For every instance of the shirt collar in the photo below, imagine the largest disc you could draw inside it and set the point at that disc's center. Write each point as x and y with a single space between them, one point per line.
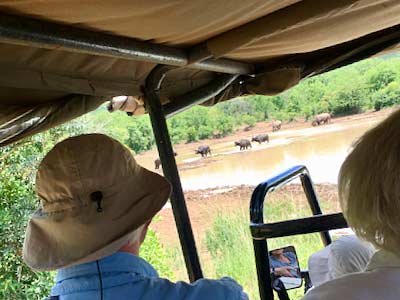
118 262
383 259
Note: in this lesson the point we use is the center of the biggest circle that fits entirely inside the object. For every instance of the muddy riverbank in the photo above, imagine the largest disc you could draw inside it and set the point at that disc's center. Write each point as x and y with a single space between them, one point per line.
205 205
186 158
322 149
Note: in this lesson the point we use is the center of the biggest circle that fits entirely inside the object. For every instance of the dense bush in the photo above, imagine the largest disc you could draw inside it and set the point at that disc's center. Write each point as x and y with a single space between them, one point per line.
140 135
388 96
17 202
153 252
17 281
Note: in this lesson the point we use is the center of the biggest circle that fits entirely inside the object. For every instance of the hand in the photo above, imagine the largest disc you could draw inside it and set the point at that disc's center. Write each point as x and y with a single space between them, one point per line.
284 271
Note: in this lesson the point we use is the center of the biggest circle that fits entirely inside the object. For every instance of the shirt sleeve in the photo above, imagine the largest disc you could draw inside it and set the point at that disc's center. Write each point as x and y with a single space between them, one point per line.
225 288
291 256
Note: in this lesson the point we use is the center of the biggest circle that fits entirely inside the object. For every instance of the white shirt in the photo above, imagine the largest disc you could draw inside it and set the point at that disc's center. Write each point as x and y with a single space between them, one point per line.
344 256
380 281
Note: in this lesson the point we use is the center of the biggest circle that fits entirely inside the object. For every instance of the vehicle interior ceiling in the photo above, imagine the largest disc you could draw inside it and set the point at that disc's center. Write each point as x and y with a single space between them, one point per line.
63 59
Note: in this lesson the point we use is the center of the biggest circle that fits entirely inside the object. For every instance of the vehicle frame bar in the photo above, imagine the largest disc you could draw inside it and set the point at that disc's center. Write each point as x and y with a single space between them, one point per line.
261 231
51 35
170 169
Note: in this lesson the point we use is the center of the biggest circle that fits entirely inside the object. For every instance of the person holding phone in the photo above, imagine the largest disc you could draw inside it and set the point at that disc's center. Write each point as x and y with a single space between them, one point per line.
284 263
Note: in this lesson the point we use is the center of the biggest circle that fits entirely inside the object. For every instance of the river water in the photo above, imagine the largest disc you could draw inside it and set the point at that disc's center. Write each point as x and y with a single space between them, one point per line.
321 149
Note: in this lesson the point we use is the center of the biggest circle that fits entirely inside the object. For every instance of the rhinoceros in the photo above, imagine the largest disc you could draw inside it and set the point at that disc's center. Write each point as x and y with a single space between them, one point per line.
276 125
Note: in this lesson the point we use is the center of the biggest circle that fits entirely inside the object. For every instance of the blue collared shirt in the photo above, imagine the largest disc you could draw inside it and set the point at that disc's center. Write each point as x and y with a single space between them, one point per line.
126 276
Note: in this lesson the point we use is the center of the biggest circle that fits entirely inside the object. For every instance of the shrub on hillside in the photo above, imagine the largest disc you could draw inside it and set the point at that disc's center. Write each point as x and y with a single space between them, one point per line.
140 135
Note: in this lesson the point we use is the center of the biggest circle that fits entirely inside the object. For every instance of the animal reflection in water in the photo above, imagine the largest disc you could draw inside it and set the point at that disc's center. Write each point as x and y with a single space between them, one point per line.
203 150
243 144
157 161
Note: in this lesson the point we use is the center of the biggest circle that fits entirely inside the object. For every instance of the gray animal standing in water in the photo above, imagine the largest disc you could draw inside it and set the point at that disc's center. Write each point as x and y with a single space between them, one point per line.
203 150
320 119
243 144
157 161
276 125
261 138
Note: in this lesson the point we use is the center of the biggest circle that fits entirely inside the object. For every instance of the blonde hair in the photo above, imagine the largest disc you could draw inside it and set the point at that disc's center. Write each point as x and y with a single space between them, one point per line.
369 185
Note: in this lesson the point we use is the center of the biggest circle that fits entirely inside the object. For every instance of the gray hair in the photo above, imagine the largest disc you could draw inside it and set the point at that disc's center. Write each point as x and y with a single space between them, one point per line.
135 235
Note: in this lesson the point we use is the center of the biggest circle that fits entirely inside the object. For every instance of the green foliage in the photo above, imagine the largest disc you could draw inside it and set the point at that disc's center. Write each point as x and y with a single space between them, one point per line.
231 250
379 78
200 123
17 281
153 252
349 98
249 120
140 134
223 125
388 96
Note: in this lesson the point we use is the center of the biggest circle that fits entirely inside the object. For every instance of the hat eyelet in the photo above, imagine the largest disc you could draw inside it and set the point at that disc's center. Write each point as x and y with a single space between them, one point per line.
97 197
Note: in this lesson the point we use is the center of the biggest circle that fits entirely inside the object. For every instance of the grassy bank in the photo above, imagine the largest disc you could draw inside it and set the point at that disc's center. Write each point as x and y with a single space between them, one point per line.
226 247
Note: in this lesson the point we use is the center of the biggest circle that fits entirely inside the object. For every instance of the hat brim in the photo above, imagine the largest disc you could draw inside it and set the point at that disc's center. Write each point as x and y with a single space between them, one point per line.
85 235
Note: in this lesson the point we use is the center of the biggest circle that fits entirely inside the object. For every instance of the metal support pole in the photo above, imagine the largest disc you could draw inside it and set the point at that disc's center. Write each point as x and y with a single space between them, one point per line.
312 224
260 245
257 222
313 201
263 270
50 35
157 116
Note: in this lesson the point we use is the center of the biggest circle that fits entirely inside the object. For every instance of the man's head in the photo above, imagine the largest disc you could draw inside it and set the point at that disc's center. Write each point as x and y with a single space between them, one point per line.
277 252
93 198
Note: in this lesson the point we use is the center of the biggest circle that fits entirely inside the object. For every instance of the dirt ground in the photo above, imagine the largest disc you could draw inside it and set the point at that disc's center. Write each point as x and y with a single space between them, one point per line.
205 205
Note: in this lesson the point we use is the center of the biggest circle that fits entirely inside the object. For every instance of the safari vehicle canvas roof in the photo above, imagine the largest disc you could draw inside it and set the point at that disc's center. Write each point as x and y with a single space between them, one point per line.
61 59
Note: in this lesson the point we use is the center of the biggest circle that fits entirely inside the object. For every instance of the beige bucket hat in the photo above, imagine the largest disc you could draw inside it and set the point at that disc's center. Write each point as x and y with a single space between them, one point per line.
93 195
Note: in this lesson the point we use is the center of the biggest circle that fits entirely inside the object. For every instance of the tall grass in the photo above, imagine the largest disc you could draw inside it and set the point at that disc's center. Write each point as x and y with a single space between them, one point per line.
230 245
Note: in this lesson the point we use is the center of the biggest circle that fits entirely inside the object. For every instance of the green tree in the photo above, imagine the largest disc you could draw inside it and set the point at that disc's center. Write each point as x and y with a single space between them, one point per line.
380 78
140 135
224 125
386 97
249 120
